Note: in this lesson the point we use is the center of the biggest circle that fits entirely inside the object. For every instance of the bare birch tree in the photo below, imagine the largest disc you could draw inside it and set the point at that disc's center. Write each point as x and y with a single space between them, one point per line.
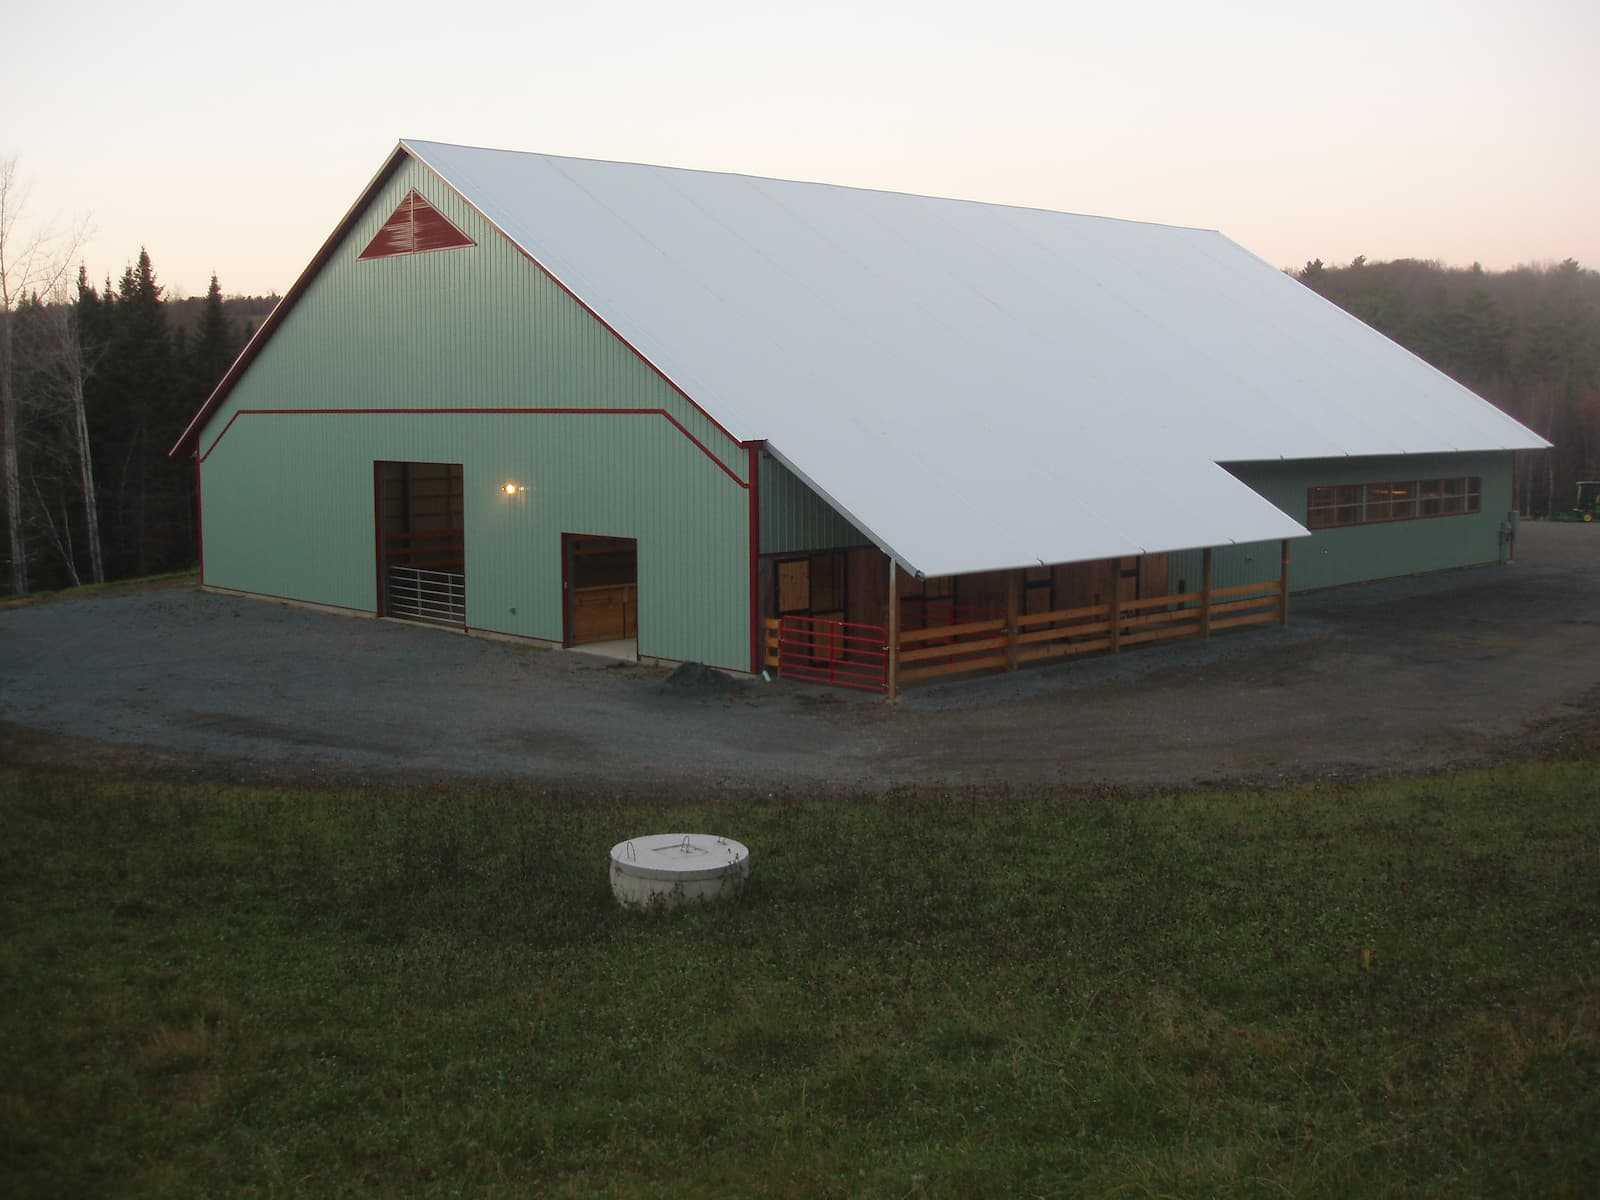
60 535
63 365
12 270
31 262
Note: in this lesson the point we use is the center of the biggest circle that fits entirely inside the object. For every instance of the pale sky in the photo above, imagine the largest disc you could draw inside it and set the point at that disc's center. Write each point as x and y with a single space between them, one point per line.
234 136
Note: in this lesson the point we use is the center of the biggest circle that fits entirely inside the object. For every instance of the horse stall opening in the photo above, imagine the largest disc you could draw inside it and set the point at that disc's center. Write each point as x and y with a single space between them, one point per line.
421 548
601 575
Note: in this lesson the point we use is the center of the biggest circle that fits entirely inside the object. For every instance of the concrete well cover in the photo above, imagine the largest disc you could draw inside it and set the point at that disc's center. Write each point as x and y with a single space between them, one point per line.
679 856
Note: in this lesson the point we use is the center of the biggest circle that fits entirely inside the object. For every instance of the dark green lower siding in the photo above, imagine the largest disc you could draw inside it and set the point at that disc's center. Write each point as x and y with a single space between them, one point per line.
1352 554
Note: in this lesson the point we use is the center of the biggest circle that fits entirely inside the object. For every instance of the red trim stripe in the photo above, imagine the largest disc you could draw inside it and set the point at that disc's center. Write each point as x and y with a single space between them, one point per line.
268 327
579 300
199 523
754 471
275 318
377 532
366 412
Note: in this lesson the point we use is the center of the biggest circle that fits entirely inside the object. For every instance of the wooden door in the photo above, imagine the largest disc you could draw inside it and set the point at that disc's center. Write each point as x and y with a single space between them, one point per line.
600 577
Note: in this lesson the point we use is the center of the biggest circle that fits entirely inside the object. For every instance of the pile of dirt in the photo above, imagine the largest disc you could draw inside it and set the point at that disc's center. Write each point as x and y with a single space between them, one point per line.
697 679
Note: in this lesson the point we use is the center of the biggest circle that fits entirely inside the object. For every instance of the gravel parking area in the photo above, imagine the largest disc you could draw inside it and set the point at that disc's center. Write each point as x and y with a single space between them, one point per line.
1446 669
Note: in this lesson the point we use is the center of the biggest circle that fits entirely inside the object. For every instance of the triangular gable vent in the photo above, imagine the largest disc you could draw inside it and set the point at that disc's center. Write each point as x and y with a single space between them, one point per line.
416 226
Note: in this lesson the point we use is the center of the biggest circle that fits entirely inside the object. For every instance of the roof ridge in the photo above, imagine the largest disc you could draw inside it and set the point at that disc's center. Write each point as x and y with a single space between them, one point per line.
818 183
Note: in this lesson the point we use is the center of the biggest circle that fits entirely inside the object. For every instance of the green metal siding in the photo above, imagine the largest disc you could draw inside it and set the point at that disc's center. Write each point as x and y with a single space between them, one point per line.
1356 553
795 519
288 499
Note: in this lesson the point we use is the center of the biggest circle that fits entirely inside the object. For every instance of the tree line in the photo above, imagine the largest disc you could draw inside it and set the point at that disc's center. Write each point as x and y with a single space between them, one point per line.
102 381
96 383
1527 340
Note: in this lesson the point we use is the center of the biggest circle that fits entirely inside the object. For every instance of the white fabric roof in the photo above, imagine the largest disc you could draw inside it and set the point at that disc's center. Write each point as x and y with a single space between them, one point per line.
976 386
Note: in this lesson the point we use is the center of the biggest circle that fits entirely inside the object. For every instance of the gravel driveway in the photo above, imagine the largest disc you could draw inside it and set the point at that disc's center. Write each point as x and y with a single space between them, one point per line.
1445 669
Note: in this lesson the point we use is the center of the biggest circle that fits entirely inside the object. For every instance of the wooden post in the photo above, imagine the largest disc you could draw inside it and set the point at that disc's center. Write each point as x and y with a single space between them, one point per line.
893 626
1013 581
1116 605
1283 586
1205 594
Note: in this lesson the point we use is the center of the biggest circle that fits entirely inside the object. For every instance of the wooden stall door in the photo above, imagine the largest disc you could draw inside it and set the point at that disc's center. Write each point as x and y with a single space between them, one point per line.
1079 585
1153 576
602 589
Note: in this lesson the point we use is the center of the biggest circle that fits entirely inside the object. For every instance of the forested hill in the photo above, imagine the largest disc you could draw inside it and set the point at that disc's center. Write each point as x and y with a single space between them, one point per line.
1527 339
243 313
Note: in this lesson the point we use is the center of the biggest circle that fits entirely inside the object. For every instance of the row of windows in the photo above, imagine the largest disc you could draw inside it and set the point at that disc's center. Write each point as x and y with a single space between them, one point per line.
1408 500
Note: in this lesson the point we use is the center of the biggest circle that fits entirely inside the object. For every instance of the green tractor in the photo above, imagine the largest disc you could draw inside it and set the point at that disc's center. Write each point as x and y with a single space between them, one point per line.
1587 508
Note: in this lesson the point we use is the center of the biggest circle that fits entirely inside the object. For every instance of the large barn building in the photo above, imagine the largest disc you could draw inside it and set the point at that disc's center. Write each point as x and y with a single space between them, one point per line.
697 416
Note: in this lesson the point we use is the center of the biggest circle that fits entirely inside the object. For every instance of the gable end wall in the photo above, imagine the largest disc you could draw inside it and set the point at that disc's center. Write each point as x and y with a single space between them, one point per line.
288 495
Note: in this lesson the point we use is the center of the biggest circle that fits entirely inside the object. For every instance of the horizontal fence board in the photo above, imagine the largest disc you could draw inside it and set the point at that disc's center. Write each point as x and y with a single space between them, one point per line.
1162 618
1065 614
922 635
952 651
1160 635
974 664
1064 631
1156 601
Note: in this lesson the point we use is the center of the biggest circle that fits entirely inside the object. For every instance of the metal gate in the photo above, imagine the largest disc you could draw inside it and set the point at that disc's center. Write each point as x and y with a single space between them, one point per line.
427 595
838 653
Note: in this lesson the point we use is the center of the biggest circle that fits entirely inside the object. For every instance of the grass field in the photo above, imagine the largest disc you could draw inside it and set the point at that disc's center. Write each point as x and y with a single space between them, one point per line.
1390 988
116 587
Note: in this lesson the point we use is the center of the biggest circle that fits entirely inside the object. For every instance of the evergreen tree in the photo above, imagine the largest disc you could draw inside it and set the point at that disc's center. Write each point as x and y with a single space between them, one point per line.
215 345
153 520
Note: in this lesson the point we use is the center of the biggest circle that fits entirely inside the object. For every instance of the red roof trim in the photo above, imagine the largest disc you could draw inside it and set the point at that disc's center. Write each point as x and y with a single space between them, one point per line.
274 319
363 412
582 303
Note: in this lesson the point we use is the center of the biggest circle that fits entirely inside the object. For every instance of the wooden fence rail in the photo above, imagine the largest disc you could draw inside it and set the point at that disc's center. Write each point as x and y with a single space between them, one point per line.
1005 642
996 643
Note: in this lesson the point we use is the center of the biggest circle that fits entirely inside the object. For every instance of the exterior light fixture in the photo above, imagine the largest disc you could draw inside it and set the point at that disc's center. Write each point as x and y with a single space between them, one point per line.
511 489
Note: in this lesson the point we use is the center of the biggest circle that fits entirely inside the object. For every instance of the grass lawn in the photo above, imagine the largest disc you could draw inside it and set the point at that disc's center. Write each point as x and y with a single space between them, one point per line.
115 587
1390 988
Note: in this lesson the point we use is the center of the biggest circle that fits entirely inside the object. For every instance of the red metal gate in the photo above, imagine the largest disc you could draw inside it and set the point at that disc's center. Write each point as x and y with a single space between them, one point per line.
839 653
